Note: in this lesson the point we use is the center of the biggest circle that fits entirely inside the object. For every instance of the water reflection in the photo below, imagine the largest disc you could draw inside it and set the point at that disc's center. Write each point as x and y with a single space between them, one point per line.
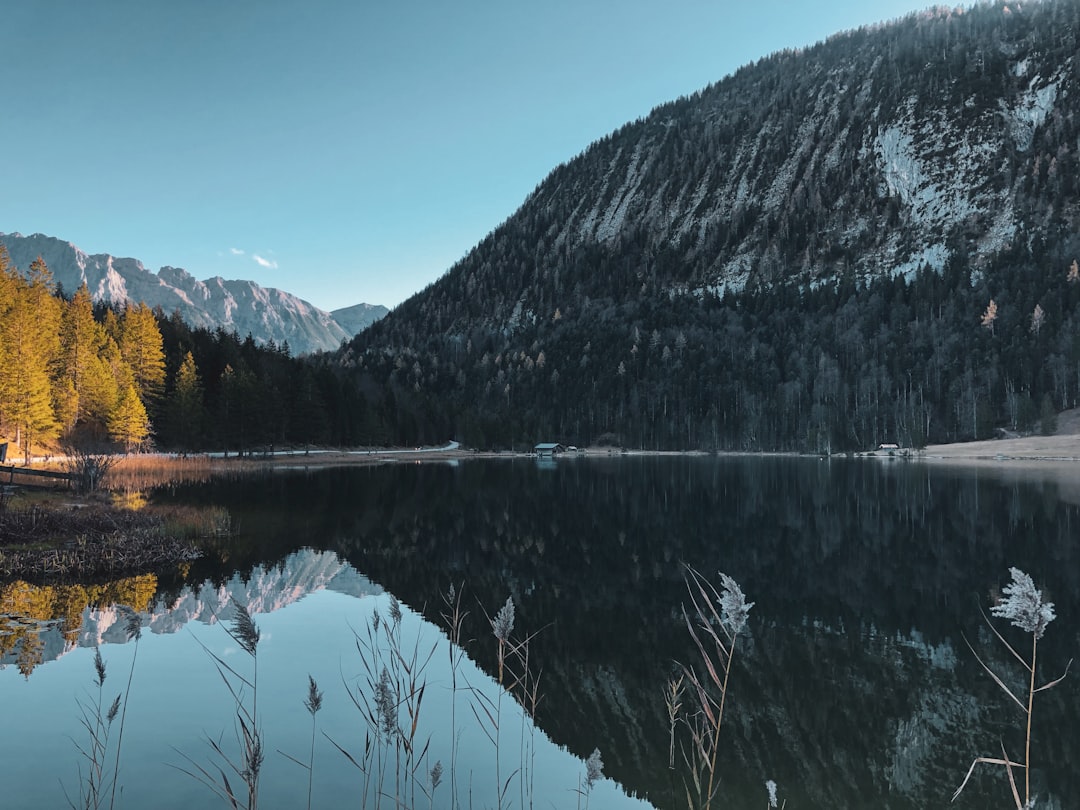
311 608
41 622
866 577
854 687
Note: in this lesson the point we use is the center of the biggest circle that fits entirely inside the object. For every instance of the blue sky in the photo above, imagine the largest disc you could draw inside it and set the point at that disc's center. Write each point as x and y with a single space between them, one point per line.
346 151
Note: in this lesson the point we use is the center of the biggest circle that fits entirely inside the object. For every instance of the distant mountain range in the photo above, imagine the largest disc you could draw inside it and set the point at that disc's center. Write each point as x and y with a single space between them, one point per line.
267 314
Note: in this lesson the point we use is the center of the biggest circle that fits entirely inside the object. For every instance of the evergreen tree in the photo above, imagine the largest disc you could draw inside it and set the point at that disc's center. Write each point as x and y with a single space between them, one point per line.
9 282
237 403
141 347
106 376
83 381
185 407
1048 421
128 423
29 333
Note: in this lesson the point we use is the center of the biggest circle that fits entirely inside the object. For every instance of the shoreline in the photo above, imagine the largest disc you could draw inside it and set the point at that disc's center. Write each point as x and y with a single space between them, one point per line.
1058 452
1032 451
80 548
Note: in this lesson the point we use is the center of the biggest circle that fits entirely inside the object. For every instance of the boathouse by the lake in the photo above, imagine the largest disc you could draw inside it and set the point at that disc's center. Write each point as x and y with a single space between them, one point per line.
549 449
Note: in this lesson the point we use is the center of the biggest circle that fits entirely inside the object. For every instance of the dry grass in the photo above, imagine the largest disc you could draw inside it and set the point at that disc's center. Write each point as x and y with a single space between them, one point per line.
714 623
48 535
140 472
244 689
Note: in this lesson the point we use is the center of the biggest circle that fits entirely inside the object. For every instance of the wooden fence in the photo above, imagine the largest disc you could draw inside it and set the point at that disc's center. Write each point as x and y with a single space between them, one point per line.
29 477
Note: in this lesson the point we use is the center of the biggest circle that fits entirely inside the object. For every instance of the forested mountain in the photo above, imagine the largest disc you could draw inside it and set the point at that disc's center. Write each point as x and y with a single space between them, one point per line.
267 314
868 240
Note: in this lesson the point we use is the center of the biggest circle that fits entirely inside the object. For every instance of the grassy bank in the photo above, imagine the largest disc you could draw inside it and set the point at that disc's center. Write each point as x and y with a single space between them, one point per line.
59 536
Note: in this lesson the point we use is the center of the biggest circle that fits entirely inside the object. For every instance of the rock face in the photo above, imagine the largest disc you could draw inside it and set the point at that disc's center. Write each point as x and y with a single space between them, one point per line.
268 314
947 134
747 267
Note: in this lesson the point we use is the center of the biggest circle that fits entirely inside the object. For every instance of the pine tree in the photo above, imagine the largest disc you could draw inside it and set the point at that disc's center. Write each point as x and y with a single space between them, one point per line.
128 423
141 347
81 374
8 286
238 402
111 324
185 405
29 333
106 376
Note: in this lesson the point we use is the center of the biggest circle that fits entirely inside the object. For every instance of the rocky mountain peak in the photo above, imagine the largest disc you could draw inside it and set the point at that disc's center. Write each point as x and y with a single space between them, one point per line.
266 314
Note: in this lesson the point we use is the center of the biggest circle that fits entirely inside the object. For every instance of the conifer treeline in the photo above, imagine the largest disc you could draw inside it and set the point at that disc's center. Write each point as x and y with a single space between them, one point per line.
66 372
789 367
76 374
942 357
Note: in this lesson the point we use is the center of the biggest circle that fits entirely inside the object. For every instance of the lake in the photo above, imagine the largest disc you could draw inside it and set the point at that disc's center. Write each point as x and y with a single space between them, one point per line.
852 686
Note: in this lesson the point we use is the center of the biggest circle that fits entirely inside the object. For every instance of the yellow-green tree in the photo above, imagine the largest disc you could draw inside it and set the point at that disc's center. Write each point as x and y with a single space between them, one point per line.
85 390
9 279
141 348
106 378
111 324
128 423
8 285
29 329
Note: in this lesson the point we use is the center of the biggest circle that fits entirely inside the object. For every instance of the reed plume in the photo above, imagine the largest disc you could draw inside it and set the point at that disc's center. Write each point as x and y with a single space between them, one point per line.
313 703
1023 605
248 765
93 787
715 620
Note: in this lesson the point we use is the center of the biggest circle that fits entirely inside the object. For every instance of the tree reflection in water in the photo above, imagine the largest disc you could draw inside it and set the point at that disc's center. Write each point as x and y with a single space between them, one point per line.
848 691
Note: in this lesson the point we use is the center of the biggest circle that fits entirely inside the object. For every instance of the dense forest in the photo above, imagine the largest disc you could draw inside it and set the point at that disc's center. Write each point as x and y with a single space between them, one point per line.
943 357
74 374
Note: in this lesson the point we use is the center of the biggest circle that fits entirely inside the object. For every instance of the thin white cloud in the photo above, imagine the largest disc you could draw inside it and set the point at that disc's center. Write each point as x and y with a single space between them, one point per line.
236 251
264 262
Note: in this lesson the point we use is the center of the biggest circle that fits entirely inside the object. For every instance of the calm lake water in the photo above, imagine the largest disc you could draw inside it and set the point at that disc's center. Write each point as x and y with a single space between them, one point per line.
853 686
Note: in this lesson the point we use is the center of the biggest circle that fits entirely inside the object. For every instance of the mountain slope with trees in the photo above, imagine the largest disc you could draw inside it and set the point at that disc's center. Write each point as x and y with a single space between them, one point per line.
869 240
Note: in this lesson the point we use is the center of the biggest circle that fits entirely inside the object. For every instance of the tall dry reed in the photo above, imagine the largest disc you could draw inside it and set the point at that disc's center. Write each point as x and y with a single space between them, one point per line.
1024 607
515 678
390 698
96 782
313 703
714 620
488 710
244 689
453 617
594 771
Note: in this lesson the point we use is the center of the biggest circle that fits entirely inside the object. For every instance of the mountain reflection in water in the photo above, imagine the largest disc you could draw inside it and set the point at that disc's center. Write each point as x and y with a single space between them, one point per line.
853 687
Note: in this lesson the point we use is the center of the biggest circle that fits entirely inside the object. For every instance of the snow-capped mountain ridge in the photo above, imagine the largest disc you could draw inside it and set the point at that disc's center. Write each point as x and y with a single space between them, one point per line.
267 313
